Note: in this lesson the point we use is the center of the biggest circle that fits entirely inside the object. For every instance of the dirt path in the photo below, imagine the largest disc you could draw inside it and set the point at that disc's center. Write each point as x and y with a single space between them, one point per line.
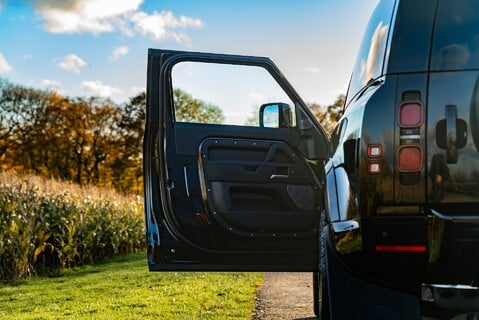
285 296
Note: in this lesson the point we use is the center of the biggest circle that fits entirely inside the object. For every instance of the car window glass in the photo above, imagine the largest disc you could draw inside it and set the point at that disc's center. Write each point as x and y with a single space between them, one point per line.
225 94
456 36
411 41
370 59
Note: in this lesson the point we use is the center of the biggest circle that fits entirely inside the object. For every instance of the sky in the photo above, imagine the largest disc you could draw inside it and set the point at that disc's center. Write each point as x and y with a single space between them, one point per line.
99 47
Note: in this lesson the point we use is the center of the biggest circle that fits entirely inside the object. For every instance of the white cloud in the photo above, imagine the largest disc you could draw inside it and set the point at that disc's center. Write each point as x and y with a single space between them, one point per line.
5 67
311 69
137 89
97 88
93 16
52 85
72 62
99 16
118 52
161 25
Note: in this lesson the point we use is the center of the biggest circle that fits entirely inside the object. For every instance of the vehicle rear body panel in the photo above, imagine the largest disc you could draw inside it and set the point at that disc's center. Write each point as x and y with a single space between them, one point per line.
435 224
451 138
452 153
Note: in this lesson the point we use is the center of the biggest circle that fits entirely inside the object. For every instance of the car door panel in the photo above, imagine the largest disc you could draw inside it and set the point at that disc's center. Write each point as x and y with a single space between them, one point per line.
257 186
246 188
218 193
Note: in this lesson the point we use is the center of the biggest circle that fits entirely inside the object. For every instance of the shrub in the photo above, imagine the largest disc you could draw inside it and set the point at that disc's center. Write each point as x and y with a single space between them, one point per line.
48 225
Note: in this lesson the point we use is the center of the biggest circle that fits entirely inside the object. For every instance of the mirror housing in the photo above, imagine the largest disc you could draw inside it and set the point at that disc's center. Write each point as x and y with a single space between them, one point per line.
275 115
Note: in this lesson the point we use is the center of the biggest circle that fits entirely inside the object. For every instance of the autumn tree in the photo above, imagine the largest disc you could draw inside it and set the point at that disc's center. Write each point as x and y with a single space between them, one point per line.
21 112
45 140
328 116
104 132
127 165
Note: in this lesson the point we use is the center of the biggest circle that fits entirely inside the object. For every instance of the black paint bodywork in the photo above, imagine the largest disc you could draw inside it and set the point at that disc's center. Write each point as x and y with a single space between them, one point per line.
253 224
412 209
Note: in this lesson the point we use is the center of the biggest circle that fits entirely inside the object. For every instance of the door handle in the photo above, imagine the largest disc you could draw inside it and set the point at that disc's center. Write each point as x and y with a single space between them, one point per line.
279 176
451 133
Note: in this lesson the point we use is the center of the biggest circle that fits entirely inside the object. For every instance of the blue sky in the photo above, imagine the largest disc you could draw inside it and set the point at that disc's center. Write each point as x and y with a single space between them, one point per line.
99 47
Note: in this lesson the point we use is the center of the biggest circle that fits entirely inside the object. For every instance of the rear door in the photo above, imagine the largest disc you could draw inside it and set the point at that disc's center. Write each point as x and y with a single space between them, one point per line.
233 164
453 111
453 143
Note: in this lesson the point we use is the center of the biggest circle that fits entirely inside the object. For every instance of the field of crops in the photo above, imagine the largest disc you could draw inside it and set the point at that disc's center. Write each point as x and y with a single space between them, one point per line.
46 226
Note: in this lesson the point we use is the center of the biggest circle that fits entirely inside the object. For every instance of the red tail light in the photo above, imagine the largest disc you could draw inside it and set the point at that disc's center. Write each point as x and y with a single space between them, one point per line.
410 114
409 158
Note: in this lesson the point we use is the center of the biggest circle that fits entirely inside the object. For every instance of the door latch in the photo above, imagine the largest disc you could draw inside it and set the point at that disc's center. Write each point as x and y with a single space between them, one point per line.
451 133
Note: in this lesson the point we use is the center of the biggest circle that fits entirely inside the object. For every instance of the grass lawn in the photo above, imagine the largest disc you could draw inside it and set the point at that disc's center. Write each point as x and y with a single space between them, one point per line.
124 289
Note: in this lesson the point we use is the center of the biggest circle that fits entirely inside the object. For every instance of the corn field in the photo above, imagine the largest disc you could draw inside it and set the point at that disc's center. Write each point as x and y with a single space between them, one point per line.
47 225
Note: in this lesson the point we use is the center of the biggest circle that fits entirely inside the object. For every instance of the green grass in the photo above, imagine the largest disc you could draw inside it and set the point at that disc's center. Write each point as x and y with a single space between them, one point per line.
123 288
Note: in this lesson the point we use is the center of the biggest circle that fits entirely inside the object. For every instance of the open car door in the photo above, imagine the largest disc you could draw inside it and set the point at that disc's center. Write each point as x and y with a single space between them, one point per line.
233 166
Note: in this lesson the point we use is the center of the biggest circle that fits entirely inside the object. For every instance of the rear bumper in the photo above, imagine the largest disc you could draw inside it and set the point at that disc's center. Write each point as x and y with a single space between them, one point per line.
353 297
451 297
453 264
410 250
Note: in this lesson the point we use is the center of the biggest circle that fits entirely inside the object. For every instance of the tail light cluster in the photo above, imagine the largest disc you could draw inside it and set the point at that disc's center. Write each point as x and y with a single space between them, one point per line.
409 153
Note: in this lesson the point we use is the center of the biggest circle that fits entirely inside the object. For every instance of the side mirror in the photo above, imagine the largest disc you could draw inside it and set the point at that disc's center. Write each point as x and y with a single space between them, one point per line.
275 115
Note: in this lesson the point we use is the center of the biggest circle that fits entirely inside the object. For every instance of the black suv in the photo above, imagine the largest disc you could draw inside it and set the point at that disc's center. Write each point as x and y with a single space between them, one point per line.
239 175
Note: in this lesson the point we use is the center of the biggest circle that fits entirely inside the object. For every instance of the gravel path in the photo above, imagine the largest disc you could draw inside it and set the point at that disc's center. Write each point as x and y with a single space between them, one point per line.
285 296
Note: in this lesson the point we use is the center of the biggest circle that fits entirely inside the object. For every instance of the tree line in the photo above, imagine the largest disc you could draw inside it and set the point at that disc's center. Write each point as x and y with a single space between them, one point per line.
85 140
91 140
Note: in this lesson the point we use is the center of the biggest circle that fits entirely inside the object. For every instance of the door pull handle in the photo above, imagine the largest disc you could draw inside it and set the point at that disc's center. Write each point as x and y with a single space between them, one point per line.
451 133
279 176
